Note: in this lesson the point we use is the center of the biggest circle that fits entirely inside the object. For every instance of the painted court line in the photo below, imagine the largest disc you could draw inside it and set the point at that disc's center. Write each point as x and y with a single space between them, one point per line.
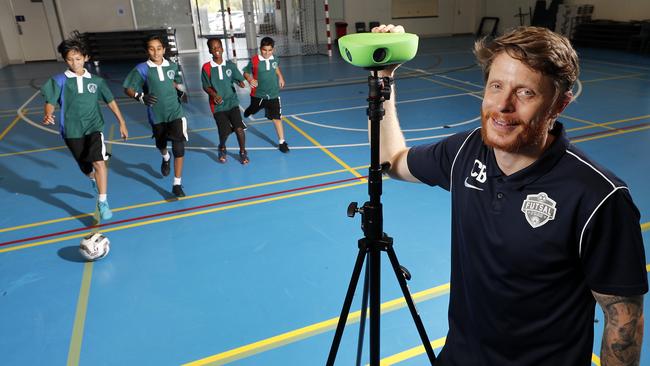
74 350
173 212
206 194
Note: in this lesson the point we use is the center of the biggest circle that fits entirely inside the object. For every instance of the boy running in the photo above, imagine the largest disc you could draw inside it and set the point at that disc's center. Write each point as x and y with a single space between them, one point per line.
265 78
158 84
77 92
217 77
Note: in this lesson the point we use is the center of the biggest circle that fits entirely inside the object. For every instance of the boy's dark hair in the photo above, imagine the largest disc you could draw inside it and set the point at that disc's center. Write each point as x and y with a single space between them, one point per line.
213 39
72 44
267 41
155 37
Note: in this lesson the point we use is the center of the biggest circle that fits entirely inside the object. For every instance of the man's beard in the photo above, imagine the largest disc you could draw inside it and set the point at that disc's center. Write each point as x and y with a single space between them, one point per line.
531 137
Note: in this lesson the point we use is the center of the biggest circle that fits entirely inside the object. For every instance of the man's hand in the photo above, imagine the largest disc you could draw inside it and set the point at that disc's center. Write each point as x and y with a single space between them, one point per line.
390 28
253 82
218 99
241 84
48 119
281 82
146 99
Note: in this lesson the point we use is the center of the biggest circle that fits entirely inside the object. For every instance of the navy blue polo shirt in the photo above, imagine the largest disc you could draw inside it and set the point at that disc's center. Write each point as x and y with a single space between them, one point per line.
528 249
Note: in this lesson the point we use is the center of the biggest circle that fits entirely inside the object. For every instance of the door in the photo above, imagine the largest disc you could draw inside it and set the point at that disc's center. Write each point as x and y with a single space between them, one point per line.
33 30
464 17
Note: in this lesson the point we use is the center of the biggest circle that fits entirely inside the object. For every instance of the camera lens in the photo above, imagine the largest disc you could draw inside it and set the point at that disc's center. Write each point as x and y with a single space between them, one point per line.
379 55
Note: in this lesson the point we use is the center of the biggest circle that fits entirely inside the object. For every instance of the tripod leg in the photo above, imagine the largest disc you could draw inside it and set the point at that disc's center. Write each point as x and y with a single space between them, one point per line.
362 320
411 305
356 272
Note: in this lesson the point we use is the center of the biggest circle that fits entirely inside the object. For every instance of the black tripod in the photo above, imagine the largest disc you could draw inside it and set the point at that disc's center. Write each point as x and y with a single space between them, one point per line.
374 242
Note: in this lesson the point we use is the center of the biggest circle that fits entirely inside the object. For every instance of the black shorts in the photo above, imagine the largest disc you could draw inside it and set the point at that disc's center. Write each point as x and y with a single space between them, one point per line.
89 148
228 121
272 107
175 130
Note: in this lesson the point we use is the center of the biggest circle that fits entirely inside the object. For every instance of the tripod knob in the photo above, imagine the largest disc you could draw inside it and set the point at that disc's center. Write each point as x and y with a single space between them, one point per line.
353 208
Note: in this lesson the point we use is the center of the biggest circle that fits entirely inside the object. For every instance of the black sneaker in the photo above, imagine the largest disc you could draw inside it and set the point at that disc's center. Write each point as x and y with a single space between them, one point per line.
247 112
164 167
177 190
284 147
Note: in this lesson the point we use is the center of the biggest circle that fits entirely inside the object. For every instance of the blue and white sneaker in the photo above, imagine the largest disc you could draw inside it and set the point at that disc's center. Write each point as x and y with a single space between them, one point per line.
93 183
105 212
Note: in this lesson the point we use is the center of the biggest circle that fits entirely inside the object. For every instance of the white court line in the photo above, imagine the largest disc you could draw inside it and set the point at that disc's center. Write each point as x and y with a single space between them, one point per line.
295 116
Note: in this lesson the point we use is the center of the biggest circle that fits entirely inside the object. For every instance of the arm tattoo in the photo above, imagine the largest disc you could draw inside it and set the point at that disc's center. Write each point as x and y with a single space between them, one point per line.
623 335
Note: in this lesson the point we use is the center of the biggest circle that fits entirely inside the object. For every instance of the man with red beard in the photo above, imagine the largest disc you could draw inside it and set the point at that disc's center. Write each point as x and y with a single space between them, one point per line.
540 233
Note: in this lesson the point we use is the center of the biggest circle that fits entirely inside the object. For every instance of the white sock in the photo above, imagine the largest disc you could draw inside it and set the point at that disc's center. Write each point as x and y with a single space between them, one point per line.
92 179
281 141
166 157
177 181
102 197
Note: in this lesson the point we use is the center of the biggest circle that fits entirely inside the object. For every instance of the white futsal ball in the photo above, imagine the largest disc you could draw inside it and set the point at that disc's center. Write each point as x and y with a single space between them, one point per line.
94 246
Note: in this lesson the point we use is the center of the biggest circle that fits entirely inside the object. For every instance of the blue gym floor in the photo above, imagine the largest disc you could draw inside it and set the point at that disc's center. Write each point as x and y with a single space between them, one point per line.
251 268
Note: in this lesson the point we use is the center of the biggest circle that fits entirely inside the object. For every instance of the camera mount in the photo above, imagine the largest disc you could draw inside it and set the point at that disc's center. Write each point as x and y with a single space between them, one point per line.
375 240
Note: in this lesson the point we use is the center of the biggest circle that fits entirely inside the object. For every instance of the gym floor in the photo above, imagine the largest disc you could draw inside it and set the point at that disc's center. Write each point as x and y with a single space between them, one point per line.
251 268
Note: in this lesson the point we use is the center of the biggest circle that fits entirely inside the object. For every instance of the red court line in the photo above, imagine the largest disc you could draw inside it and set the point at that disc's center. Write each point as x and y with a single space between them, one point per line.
138 218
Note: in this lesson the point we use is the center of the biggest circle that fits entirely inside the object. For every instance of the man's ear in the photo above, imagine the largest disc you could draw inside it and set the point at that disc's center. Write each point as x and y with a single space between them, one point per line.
562 102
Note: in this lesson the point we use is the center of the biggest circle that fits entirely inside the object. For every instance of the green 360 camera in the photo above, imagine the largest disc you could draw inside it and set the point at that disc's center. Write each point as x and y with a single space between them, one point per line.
375 50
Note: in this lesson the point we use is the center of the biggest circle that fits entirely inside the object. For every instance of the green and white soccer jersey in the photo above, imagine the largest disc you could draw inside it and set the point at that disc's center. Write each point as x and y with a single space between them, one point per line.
221 77
158 80
264 71
78 97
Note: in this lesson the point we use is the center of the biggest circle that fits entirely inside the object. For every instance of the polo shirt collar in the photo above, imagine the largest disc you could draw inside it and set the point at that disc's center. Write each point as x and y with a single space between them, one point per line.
80 83
267 61
543 165
71 74
159 68
165 63
219 66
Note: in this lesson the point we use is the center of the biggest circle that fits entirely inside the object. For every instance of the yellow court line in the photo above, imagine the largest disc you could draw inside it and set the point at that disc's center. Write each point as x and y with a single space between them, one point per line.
11 125
181 216
80 316
593 124
325 150
595 359
206 194
410 353
311 330
614 133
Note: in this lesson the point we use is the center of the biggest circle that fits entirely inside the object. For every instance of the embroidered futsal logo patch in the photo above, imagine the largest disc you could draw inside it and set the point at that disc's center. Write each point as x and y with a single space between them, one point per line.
92 87
538 209
274 65
171 74
229 72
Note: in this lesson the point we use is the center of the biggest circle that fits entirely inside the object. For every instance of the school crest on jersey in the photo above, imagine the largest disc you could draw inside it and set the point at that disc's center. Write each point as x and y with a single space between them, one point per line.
92 87
228 72
171 74
274 65
538 209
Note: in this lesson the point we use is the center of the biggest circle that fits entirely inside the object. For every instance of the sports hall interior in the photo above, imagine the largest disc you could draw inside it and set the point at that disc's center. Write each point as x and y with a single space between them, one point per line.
251 267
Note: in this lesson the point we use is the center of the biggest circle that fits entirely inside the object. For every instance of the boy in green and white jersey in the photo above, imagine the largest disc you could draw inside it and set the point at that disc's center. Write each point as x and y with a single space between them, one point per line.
265 78
217 78
81 123
157 83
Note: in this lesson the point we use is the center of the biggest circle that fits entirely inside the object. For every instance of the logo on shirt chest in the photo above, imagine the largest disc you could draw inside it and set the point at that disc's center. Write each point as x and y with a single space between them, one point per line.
228 72
538 209
171 74
274 65
478 174
92 88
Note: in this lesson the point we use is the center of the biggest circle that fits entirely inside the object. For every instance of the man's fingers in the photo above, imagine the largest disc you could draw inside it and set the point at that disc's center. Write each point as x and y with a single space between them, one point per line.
388 28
